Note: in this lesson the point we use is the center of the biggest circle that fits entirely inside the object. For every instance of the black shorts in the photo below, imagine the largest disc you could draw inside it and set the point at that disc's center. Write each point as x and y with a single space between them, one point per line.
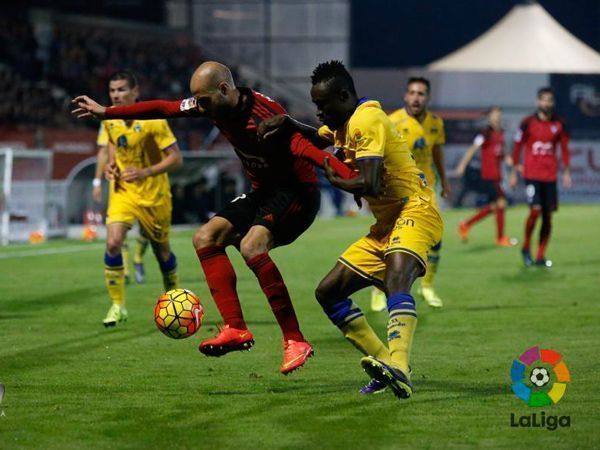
542 194
492 189
287 212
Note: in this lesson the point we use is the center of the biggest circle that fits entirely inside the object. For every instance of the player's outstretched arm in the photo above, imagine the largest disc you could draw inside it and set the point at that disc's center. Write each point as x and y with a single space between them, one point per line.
152 109
86 108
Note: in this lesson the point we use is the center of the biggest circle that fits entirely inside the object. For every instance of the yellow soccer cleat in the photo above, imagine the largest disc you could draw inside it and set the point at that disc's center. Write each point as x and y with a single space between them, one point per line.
378 300
430 297
116 313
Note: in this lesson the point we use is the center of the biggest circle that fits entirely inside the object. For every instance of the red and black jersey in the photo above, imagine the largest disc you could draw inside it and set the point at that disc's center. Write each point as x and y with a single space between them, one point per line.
267 164
492 152
540 138
286 162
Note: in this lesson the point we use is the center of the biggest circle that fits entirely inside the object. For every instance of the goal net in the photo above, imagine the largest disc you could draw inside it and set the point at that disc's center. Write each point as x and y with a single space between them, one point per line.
24 184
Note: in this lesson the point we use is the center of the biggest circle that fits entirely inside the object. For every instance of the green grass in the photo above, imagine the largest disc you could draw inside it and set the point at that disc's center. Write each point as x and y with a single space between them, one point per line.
72 384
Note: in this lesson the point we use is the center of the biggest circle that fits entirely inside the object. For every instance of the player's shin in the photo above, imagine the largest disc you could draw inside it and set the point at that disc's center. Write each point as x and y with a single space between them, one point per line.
401 329
125 255
352 323
141 245
221 280
500 222
114 276
433 260
534 213
168 269
272 284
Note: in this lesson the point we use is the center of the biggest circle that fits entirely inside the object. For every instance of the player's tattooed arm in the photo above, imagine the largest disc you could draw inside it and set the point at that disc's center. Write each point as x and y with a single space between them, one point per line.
367 183
283 123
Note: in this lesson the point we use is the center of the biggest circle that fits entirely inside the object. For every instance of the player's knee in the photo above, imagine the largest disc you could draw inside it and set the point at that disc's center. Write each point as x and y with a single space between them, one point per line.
113 245
250 248
325 293
203 237
400 281
501 203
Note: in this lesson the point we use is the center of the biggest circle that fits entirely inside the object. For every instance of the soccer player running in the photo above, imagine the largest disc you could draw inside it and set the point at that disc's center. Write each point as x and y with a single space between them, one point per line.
540 133
424 132
394 253
140 155
103 142
283 202
491 142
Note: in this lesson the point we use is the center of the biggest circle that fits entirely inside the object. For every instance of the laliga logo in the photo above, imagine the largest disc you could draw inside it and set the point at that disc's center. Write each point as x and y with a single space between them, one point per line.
539 378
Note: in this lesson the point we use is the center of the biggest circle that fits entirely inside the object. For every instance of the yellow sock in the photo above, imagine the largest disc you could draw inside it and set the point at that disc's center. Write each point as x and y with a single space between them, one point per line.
115 283
401 329
141 245
125 253
361 335
433 259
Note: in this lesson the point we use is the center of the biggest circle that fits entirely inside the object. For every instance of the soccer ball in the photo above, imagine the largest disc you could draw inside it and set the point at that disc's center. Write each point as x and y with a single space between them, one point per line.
178 313
539 376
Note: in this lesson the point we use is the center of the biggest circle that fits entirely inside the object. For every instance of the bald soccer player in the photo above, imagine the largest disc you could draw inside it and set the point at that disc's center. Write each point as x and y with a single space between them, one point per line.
281 205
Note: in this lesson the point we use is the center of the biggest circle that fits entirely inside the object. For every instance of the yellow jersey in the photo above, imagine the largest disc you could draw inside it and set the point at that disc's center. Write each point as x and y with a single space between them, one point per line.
421 137
139 143
370 133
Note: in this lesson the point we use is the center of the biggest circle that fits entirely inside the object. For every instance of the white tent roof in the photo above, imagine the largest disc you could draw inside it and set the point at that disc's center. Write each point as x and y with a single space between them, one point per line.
527 39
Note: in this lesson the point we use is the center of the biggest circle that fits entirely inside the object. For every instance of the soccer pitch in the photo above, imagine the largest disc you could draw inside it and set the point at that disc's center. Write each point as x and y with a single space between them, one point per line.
70 383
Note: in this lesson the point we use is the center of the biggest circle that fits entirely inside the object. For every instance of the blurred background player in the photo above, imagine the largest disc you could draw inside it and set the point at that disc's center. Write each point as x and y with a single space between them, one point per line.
138 160
540 133
103 143
424 132
283 203
491 142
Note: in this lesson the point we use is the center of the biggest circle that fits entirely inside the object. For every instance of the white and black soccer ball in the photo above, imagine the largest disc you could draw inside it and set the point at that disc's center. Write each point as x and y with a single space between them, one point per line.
540 376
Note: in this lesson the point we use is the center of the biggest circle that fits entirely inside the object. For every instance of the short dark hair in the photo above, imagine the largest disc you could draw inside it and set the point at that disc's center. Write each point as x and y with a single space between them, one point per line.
124 75
545 90
333 71
423 80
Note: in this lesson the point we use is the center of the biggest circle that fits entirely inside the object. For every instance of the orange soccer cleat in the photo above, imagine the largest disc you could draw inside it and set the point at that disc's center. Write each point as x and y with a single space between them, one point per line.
295 354
228 340
463 231
505 241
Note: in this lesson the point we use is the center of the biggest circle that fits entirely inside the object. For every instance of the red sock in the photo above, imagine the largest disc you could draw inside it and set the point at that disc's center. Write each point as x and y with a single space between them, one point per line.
221 280
544 235
500 222
479 215
529 226
273 286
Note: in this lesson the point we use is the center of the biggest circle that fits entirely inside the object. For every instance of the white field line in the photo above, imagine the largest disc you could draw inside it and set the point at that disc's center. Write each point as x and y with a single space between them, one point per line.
52 251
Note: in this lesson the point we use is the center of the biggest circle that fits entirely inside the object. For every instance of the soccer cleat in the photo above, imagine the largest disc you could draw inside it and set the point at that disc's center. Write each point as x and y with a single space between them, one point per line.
373 387
392 377
505 241
228 340
376 387
430 297
295 354
139 273
463 231
527 260
378 300
116 313
544 263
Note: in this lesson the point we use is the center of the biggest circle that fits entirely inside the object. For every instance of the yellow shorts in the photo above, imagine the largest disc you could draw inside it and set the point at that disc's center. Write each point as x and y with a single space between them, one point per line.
418 228
154 220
